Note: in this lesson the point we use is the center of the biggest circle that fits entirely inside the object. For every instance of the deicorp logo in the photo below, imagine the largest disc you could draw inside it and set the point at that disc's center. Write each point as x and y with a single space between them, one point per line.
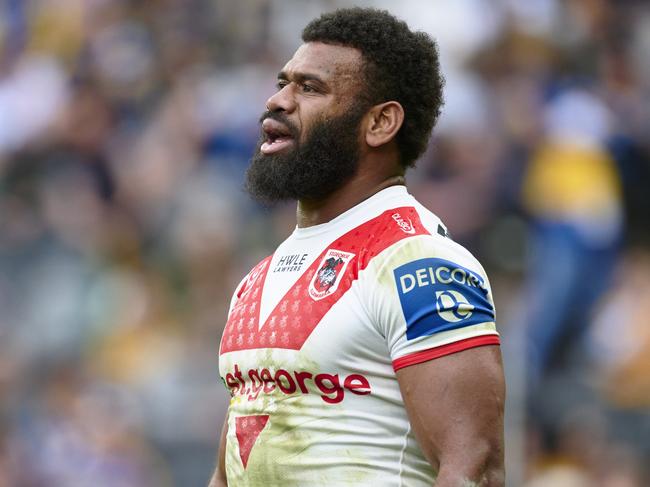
438 295
452 306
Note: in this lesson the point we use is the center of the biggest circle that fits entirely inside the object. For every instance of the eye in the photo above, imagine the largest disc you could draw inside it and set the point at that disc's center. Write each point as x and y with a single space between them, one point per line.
306 88
281 84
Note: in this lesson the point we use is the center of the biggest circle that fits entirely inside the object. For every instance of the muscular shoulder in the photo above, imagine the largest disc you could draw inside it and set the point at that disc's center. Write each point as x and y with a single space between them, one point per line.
390 230
406 234
433 250
426 294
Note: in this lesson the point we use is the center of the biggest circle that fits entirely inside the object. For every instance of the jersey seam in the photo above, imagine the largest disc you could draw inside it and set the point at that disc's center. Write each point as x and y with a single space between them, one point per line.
402 454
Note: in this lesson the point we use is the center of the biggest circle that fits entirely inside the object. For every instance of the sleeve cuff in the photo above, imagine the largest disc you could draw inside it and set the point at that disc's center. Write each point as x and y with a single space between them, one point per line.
442 350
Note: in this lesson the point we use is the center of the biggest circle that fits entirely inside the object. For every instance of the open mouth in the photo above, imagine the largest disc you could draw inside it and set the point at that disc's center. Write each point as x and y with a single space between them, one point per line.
278 136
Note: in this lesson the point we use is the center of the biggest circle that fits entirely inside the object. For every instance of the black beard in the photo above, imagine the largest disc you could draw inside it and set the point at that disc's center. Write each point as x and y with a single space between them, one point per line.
311 170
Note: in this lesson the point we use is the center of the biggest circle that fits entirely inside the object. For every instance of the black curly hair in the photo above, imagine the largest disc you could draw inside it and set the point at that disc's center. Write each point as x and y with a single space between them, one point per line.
399 65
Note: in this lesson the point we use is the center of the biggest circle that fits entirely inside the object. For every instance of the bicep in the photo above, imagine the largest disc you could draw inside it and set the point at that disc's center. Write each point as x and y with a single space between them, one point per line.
455 406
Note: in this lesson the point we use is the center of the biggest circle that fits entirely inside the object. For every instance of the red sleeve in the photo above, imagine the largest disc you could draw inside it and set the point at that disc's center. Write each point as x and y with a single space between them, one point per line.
442 350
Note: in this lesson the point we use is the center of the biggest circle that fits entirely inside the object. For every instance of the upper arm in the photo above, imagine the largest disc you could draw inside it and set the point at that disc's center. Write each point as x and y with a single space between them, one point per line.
434 307
455 405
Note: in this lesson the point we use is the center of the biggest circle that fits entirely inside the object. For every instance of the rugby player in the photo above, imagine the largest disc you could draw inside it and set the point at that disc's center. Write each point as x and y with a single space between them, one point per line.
364 350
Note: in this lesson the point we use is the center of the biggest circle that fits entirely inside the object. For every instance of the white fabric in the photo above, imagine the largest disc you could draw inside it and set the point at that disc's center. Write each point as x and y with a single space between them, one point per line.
317 433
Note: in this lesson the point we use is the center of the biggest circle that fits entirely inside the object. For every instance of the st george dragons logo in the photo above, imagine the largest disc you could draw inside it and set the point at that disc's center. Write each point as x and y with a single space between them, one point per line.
328 276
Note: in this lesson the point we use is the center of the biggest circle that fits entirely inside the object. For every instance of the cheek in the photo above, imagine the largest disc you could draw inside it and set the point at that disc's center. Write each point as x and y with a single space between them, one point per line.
316 110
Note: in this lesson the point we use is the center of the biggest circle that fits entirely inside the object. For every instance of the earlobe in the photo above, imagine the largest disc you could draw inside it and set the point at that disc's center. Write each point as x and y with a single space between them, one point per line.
384 122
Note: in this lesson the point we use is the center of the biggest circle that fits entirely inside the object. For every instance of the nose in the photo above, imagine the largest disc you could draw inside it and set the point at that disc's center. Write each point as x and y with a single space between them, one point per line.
283 100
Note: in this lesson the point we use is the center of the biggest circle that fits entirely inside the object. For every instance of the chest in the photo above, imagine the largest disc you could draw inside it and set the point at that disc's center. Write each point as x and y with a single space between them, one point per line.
301 303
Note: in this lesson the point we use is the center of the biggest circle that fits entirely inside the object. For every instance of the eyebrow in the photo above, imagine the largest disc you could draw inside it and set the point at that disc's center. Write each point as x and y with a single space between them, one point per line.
301 77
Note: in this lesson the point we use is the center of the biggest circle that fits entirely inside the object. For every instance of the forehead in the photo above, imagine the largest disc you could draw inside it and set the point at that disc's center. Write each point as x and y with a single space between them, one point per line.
329 62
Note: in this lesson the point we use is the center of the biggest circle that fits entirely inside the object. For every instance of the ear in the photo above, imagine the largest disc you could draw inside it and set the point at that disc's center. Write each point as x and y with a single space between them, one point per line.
383 122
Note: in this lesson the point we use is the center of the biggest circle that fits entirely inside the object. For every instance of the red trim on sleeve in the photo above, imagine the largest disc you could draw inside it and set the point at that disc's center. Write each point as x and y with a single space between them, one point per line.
442 350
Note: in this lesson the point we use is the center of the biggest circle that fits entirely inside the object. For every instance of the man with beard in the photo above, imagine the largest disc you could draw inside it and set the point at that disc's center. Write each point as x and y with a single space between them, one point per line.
364 350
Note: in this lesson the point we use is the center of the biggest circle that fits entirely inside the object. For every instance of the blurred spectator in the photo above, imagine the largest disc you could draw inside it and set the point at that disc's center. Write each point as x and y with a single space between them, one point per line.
572 193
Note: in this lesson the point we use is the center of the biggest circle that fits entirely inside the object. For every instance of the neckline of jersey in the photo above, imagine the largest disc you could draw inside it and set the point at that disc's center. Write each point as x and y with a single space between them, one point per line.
376 199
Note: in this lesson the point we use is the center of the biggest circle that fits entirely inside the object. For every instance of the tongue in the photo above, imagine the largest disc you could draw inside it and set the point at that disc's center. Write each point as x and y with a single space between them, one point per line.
277 145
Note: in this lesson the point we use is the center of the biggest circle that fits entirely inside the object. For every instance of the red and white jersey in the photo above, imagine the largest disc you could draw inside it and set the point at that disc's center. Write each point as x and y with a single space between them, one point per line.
316 332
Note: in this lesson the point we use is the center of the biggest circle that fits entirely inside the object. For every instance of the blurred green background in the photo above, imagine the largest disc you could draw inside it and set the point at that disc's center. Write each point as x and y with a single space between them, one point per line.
125 128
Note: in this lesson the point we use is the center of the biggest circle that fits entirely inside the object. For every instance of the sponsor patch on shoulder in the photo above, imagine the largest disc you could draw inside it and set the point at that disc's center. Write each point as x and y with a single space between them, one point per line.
438 295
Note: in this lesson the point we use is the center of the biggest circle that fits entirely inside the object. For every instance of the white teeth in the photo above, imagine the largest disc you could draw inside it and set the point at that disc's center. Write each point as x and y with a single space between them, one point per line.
275 145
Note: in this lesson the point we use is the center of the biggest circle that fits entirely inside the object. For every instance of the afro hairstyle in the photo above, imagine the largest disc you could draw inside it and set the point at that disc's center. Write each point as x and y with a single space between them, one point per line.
399 65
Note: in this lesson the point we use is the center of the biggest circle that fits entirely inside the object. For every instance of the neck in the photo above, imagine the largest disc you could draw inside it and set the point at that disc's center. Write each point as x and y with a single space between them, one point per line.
315 212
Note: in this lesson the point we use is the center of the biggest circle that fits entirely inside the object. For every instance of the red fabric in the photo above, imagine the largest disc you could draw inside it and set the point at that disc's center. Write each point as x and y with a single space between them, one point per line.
430 354
247 429
296 315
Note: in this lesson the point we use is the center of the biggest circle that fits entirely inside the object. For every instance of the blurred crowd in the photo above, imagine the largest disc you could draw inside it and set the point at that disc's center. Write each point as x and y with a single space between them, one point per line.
125 128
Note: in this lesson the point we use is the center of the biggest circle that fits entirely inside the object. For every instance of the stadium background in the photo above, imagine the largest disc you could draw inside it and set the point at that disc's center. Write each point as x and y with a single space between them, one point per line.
125 127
